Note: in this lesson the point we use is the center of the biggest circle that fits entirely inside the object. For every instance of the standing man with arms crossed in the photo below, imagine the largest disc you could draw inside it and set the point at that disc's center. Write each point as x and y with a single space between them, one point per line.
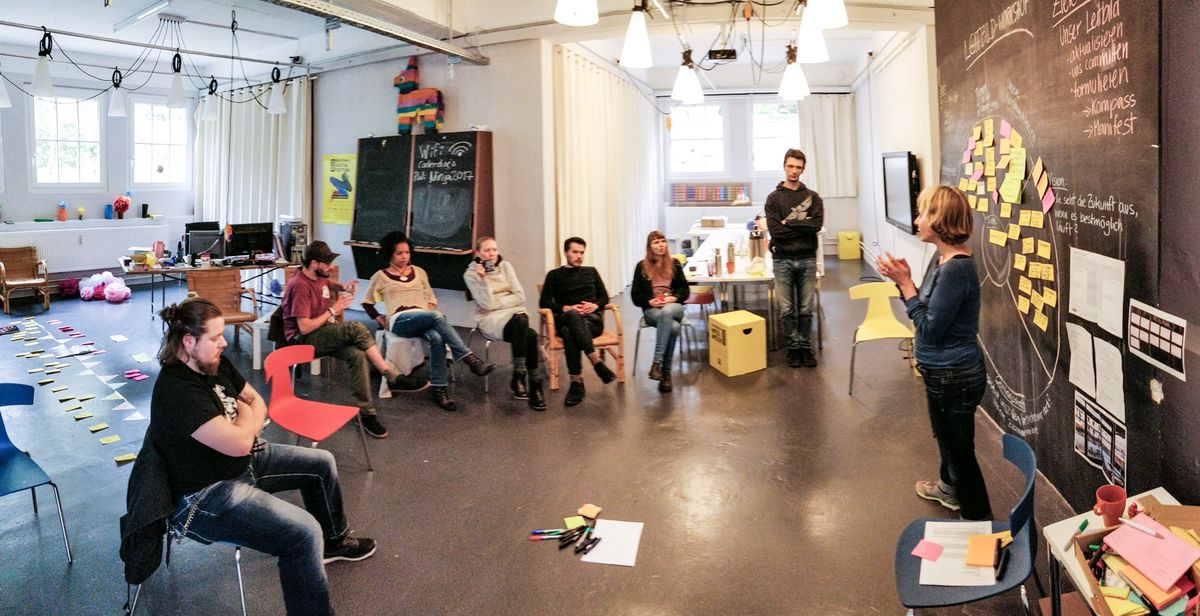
795 215
576 295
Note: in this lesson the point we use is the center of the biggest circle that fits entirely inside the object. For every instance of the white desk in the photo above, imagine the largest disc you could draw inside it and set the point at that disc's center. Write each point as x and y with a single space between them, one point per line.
724 281
1059 534
699 234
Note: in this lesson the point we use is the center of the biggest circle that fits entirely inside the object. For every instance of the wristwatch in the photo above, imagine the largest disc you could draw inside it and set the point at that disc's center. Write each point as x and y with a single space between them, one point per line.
332 315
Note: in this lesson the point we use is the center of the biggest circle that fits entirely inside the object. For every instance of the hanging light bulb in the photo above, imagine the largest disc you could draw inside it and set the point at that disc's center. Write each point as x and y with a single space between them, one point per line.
794 85
829 14
576 12
175 97
687 85
275 104
635 53
116 102
5 101
42 85
810 41
212 104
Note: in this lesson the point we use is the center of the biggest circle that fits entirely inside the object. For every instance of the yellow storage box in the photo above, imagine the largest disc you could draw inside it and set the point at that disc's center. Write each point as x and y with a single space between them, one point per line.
737 342
848 245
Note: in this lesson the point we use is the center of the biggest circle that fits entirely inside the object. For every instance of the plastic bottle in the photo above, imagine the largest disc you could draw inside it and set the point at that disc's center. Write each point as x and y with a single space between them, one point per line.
717 260
730 258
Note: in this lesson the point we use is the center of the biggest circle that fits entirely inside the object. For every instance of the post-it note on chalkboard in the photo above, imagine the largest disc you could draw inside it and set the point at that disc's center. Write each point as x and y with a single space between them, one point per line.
1036 219
1023 218
1040 320
1023 304
1035 270
1037 300
1014 231
1027 246
1019 262
1015 140
997 237
1048 272
1051 297
1005 209
1024 285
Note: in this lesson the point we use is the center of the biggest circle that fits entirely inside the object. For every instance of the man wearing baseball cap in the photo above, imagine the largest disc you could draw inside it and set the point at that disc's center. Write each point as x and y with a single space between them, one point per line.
310 318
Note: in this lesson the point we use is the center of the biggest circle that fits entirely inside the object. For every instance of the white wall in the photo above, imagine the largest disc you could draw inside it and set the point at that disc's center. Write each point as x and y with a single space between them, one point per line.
512 96
897 111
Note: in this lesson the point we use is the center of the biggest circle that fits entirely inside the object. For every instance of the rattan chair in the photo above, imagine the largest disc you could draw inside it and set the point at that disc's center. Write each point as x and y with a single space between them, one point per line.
20 268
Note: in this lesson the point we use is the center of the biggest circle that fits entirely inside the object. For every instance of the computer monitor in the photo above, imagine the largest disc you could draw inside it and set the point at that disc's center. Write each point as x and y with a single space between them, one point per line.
211 242
210 225
250 239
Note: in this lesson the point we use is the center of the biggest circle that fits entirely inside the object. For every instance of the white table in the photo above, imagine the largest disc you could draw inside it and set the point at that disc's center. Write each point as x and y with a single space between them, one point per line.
1059 534
699 233
724 281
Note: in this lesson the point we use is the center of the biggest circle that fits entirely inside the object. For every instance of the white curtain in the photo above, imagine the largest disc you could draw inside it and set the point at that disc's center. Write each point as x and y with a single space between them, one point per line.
827 139
252 166
606 164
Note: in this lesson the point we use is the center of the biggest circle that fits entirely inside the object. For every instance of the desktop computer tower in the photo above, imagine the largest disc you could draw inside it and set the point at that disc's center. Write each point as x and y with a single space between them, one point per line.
294 236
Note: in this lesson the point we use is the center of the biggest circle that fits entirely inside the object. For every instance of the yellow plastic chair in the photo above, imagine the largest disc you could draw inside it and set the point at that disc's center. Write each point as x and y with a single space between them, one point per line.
880 323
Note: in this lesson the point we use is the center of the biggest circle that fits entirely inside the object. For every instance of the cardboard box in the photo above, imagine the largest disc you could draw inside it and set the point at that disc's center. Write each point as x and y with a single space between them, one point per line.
737 342
714 222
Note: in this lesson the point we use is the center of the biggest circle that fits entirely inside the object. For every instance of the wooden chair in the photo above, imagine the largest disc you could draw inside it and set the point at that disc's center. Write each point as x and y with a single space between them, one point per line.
610 341
20 268
223 287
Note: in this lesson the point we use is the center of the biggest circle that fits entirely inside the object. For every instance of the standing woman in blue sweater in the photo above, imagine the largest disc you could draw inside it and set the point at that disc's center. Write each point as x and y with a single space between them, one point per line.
945 311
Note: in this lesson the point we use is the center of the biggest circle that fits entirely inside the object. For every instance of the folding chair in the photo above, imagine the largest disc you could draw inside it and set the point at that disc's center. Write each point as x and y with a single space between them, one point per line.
18 471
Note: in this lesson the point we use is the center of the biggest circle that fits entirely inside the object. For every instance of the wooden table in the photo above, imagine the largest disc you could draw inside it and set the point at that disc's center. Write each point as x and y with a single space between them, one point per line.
179 273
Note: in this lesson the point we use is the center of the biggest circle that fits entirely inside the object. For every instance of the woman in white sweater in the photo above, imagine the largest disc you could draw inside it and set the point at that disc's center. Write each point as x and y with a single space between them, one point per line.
500 297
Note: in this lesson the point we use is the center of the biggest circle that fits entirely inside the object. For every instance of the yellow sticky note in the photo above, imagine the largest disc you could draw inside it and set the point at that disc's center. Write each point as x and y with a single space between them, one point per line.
1027 245
1036 219
31 343
962 184
1037 169
1019 262
983 203
1014 231
74 406
1113 591
1035 298
976 132
108 440
1005 209
45 381
1051 297
56 371
971 184
1023 304
86 398
82 416
32 370
98 427
1040 320
979 188
59 388
1015 140
1048 272
1043 249
972 201
1003 162
997 237
125 457
1043 182
573 521
65 398
991 184
1035 270
1005 143
1024 285
1023 218
978 148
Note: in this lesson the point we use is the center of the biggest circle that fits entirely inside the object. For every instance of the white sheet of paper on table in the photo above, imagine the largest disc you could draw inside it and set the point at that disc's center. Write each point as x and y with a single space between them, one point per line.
951 569
618 545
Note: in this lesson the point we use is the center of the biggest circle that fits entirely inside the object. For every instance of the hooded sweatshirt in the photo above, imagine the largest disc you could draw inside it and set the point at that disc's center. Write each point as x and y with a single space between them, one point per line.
794 217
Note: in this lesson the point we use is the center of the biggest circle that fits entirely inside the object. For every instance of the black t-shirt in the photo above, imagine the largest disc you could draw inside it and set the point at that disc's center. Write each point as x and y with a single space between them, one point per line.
183 400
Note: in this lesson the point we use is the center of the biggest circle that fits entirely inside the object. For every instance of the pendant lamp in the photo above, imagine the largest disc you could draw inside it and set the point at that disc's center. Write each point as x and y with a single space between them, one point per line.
687 85
635 52
576 12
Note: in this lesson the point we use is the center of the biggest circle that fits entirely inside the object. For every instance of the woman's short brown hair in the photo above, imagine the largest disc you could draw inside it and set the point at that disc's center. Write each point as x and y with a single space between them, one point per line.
946 212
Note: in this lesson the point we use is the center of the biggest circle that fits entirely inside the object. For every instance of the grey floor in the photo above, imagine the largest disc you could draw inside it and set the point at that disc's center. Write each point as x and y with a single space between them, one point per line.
769 493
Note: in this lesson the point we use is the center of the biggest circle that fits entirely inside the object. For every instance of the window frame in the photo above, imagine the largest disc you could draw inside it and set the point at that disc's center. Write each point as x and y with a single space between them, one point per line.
188 146
726 147
759 100
102 145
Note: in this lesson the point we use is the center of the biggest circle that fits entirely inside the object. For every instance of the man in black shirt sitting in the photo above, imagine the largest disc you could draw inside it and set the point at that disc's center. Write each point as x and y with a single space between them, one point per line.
205 419
576 295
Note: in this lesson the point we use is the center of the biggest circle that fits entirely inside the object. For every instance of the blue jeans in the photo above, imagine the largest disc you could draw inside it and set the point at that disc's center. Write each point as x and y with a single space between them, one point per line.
666 320
243 512
433 327
796 319
953 395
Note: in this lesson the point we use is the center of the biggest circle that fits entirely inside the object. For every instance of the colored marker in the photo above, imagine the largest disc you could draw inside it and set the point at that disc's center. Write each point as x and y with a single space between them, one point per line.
1144 529
542 537
1082 525
548 531
591 544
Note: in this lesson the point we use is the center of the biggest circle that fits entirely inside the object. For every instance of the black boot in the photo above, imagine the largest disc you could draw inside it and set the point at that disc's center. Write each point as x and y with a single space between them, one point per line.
575 393
478 368
537 398
664 383
655 371
442 398
520 392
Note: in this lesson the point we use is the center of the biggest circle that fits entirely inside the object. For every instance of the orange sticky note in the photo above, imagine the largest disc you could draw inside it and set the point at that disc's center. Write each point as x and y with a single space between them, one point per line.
981 550
589 511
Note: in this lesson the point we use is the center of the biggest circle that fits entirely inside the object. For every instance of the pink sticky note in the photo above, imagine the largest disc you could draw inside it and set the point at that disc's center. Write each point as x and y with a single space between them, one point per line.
86 343
98 351
1162 559
978 174
76 335
970 142
995 196
141 377
967 156
53 322
1048 200
1005 128
927 550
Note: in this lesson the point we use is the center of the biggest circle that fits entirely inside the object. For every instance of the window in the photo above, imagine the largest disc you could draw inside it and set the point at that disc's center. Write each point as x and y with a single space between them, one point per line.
776 127
66 142
697 139
160 144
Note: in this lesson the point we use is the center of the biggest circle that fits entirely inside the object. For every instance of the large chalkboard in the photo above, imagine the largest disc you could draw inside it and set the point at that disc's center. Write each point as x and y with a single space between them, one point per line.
1075 84
451 191
381 201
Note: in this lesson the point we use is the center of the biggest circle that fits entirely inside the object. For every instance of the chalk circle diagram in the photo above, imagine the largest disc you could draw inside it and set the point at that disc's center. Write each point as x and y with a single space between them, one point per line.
1018 255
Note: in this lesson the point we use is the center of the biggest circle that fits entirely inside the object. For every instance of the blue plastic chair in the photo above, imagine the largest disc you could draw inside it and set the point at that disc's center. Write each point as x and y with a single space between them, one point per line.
1022 551
18 471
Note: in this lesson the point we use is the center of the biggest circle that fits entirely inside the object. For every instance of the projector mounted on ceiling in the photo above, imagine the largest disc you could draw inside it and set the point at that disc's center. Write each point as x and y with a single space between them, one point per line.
722 54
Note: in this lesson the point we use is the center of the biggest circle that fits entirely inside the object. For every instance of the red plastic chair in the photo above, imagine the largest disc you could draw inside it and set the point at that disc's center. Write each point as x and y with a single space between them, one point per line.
314 421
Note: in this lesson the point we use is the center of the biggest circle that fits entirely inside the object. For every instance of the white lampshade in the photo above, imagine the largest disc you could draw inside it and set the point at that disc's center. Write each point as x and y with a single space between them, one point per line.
576 13
275 105
829 14
794 86
687 87
212 109
116 104
635 53
5 101
42 85
175 97
810 41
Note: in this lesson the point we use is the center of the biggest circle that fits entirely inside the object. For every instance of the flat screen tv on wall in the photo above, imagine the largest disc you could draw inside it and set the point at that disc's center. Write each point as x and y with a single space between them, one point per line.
901 185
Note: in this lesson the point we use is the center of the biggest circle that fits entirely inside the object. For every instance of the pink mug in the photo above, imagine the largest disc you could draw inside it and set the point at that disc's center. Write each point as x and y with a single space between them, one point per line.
1110 504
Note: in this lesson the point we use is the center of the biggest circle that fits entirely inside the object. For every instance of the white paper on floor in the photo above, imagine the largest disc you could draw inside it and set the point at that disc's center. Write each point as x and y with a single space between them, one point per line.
618 545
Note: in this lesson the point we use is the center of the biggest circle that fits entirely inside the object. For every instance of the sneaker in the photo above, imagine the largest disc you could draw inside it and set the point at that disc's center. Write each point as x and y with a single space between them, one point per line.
932 490
517 383
478 368
655 371
371 424
604 372
664 383
442 398
574 393
808 359
793 358
349 548
407 383
537 397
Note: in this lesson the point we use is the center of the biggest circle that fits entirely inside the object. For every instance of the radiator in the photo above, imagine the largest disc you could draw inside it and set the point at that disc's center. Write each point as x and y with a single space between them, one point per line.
76 249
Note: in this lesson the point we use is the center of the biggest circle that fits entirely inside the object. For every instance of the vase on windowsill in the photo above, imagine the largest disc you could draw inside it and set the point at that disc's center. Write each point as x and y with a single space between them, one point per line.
120 215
